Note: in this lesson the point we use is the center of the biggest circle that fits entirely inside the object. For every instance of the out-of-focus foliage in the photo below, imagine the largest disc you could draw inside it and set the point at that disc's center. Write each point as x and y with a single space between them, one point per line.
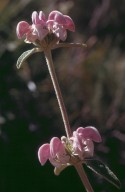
92 82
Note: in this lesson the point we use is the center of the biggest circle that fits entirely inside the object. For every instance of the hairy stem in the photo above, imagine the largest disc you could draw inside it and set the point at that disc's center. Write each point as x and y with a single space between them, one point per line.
84 177
51 69
69 45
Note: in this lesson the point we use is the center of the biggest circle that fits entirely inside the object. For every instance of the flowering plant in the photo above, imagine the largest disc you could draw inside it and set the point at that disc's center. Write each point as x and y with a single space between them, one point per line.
76 148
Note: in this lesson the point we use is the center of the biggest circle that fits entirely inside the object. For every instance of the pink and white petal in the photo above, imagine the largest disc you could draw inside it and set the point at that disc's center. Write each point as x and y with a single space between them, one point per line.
42 16
89 149
55 163
78 152
61 33
69 23
30 38
22 28
77 141
63 157
39 31
59 18
56 146
80 130
52 15
35 18
77 144
50 24
44 153
91 133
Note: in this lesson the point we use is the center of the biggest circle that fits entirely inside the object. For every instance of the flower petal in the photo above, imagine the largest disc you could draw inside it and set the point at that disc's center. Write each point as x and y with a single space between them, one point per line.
50 24
80 130
22 28
77 141
42 16
55 163
40 31
63 157
35 18
30 38
60 19
60 32
56 146
52 15
57 17
44 153
89 148
69 23
90 133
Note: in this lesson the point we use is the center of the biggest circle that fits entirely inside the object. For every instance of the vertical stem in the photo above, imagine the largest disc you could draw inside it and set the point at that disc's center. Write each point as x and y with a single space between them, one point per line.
50 65
51 69
84 178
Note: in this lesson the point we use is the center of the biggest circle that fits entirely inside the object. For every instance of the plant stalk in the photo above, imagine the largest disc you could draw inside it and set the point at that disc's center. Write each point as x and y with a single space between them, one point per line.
58 93
83 177
70 45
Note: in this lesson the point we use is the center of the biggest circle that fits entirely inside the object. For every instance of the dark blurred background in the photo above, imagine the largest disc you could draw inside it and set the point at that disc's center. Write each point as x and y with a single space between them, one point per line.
93 86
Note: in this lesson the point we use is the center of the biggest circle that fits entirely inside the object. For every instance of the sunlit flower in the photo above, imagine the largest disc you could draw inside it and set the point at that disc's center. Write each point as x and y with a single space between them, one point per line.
54 152
56 24
67 151
82 141
38 29
59 23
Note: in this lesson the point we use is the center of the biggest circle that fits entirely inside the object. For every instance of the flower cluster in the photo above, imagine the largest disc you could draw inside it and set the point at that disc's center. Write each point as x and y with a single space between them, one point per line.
56 24
67 151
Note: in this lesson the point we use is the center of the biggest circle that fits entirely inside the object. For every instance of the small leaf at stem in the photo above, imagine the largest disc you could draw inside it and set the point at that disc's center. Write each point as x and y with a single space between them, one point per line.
25 55
57 170
103 170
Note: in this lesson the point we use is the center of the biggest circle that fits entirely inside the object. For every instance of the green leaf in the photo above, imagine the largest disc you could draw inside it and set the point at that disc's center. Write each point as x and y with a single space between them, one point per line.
25 55
103 170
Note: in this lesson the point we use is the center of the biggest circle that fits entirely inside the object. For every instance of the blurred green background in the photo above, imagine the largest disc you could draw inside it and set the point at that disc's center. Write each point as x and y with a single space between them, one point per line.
92 81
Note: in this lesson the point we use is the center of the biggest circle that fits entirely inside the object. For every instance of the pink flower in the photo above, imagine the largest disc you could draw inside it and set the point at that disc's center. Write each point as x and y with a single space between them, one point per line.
54 152
22 29
59 23
38 29
82 141
67 151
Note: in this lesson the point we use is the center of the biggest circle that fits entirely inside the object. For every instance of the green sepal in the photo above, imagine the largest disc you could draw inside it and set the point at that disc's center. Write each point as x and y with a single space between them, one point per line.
103 170
25 55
